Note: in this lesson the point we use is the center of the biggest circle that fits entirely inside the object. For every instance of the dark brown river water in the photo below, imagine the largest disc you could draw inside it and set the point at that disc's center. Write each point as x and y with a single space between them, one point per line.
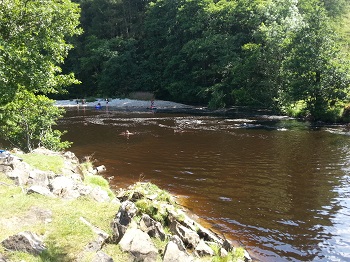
280 188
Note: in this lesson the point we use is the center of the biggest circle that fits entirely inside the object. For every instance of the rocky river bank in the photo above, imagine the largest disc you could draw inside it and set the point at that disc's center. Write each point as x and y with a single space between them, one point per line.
145 215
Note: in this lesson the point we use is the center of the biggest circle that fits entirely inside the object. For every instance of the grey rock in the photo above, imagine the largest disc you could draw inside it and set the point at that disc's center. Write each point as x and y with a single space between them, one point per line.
83 190
139 244
40 190
2 258
76 178
44 151
100 169
203 249
175 251
71 156
62 186
227 245
27 242
247 257
99 195
102 257
188 237
122 219
20 175
151 227
5 169
223 252
39 178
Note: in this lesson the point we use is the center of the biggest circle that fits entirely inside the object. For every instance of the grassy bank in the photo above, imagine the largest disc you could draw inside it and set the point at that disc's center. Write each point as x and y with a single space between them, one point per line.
64 233
58 221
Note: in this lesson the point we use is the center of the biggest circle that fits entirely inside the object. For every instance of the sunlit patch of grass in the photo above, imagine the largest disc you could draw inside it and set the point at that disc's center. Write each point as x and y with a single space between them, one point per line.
115 252
44 162
96 180
86 166
237 254
66 236
160 246
152 189
5 180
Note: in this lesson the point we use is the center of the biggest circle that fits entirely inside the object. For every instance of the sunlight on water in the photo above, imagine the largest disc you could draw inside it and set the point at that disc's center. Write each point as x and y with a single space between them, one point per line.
279 188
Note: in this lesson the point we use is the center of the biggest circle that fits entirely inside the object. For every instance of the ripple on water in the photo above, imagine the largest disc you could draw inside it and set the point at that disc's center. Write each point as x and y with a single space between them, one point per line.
284 195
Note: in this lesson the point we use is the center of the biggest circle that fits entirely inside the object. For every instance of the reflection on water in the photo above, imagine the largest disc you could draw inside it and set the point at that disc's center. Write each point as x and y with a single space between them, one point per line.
279 188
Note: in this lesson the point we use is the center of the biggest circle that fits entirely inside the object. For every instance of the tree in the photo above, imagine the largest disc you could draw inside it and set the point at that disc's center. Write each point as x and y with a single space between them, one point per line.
27 122
314 67
33 45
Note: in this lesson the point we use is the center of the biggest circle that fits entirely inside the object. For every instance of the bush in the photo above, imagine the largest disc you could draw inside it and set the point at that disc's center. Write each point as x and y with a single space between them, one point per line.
27 122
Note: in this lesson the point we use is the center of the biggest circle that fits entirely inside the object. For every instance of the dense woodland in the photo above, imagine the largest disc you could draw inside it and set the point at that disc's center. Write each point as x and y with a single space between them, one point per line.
284 55
290 56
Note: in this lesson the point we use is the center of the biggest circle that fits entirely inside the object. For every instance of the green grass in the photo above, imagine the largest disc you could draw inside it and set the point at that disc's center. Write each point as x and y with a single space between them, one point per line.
65 236
96 180
44 162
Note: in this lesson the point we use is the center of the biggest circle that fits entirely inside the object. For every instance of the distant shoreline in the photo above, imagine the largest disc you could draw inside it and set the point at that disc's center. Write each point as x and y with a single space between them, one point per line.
124 103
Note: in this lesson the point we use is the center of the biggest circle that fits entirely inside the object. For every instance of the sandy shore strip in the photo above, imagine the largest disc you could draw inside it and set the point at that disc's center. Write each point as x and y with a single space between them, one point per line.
123 103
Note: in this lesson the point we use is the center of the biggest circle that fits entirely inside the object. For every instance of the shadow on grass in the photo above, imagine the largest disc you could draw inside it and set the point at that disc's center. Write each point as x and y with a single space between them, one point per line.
54 253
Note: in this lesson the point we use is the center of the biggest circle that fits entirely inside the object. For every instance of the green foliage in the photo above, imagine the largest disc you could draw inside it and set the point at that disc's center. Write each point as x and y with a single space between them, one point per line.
157 208
314 68
217 100
297 109
256 53
237 254
33 45
27 122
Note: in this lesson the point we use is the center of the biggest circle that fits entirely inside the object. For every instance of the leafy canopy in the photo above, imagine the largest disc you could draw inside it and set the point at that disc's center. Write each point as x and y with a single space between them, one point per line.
33 45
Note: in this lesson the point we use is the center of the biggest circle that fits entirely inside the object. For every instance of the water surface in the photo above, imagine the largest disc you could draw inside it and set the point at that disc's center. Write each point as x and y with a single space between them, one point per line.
280 188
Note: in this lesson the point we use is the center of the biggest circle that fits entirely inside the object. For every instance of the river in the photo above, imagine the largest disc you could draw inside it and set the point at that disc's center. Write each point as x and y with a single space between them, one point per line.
278 187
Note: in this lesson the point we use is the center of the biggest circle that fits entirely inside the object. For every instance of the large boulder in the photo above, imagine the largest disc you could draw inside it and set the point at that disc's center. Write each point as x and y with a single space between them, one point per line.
21 176
40 178
27 242
175 251
40 190
122 219
102 257
139 244
19 172
99 195
64 187
151 227
202 249
189 237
